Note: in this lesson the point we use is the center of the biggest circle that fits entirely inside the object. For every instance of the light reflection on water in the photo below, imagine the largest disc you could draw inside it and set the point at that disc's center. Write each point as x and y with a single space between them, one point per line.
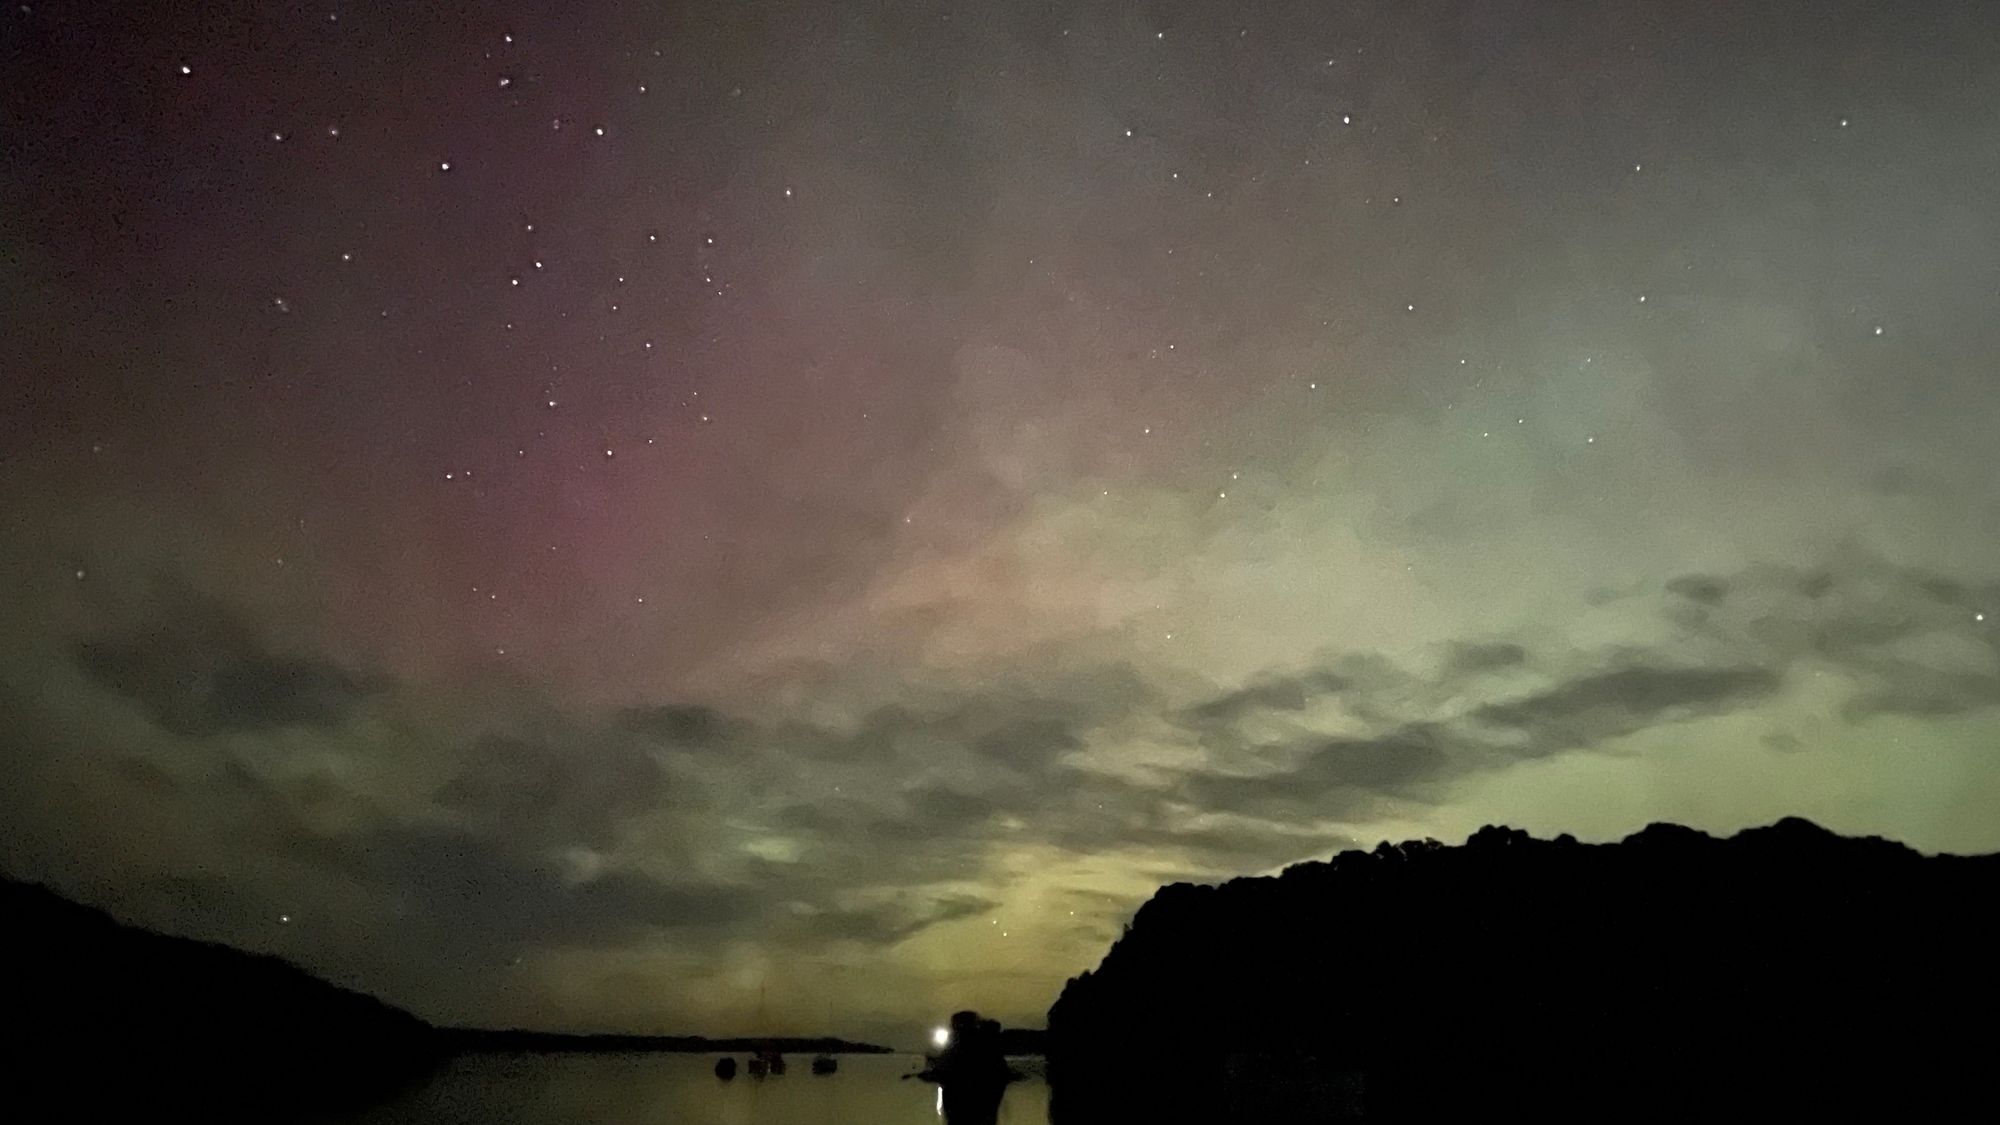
666 1089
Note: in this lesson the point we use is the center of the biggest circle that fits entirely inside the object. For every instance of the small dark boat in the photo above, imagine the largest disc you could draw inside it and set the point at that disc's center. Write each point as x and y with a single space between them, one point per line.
725 1068
757 1066
772 1060
825 1064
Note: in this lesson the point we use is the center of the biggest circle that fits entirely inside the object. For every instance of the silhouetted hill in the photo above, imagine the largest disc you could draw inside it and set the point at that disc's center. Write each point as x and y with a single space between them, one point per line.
99 1014
102 1016
473 1039
1784 971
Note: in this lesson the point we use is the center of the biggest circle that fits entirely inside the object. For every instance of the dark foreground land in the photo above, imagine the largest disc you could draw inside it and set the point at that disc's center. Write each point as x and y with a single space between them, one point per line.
168 1024
173 1024
1783 973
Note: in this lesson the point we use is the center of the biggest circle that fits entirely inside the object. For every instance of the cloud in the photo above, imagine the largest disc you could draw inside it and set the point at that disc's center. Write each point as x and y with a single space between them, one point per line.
684 725
1920 691
1602 705
202 671
887 925
1017 727
573 792
869 812
486 894
1908 638
1701 588
1268 693
1029 743
1331 777
1472 658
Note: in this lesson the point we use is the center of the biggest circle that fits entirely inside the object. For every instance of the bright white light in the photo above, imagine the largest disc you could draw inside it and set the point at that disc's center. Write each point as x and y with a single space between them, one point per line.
940 1036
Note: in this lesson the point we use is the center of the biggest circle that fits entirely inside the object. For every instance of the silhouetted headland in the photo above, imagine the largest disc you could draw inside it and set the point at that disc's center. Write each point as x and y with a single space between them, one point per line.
1785 971
172 1022
162 1021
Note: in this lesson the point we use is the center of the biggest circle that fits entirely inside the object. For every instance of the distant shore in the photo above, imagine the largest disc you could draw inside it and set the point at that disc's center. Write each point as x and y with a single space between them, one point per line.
474 1040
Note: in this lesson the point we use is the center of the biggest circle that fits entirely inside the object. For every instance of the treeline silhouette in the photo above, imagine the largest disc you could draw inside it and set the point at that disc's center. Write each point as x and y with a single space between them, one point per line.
102 1017
1782 972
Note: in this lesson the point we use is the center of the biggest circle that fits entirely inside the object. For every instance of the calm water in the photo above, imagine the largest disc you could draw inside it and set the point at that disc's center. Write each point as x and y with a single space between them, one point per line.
663 1089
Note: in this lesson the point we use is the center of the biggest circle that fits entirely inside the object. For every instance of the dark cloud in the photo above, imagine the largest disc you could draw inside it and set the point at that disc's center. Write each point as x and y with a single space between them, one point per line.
1888 627
1602 705
576 790
1309 775
486 894
1784 742
1029 743
888 925
204 672
943 805
1701 588
1919 691
1023 731
1269 693
1334 776
681 725
1474 657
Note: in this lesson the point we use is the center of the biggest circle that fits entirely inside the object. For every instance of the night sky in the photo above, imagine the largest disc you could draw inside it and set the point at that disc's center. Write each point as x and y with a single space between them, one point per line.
797 517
